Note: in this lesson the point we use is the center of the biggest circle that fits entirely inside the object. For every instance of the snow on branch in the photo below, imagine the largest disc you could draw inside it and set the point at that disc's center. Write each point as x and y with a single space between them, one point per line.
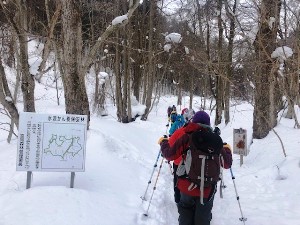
282 53
271 22
116 24
173 37
167 47
119 20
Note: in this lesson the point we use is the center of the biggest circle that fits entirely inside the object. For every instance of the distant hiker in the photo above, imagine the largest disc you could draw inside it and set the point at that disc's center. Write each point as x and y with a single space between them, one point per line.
187 114
169 111
179 122
184 111
200 149
185 117
174 108
172 114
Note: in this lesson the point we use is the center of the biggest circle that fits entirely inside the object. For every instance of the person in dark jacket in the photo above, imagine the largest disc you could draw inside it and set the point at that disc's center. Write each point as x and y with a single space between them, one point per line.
191 211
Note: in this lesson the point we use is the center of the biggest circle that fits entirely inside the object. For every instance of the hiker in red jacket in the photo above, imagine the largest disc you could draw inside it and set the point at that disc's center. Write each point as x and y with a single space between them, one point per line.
191 211
188 115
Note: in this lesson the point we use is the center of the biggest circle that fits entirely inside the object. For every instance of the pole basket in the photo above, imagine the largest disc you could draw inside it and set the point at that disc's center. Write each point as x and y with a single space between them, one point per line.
243 219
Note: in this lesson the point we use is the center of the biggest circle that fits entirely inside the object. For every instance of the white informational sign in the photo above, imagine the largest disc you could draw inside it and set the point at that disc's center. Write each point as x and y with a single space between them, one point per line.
50 142
240 142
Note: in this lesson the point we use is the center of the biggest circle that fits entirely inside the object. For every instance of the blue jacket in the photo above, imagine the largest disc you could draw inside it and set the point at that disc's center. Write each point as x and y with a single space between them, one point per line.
177 124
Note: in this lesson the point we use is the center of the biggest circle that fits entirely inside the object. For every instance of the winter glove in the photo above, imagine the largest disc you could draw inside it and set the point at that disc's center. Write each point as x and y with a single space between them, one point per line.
227 147
164 138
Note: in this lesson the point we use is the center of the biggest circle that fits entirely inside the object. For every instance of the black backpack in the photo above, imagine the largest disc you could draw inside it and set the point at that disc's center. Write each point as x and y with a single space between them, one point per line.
202 161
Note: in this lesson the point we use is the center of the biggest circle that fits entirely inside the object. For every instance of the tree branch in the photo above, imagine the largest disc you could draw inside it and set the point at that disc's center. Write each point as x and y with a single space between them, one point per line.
112 28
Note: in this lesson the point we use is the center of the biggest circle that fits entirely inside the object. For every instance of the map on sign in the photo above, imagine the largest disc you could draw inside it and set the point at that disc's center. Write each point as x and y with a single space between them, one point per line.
51 142
63 147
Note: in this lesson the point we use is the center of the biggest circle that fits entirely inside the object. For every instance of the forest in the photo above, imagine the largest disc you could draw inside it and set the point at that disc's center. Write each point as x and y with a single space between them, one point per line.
222 50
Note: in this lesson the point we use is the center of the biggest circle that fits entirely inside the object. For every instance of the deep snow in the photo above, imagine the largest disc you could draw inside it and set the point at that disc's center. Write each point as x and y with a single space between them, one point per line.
120 159
119 162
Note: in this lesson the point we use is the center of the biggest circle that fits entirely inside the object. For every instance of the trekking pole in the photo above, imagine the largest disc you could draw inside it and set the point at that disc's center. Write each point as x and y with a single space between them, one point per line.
243 219
154 188
149 182
222 183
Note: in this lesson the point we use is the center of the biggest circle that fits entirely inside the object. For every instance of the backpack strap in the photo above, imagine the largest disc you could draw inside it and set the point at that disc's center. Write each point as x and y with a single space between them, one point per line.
202 178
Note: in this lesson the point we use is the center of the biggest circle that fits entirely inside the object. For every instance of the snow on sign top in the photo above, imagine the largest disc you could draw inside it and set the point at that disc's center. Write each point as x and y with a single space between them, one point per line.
173 37
282 53
119 19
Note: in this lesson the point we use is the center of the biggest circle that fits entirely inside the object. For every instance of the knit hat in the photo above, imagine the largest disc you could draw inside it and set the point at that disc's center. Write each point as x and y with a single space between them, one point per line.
201 117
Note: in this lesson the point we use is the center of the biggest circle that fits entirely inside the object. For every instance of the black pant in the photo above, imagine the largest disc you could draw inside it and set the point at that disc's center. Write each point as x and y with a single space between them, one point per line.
176 190
192 212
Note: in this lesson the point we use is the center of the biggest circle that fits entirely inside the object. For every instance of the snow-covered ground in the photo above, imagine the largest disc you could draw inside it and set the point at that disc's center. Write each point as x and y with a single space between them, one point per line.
120 159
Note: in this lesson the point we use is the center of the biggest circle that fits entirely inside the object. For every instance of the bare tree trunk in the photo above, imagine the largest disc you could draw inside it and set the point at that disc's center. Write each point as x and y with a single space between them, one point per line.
56 77
136 80
20 28
291 86
179 89
199 13
298 62
100 90
264 117
6 98
47 46
129 38
150 75
192 89
125 70
229 65
73 74
208 58
119 97
219 79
